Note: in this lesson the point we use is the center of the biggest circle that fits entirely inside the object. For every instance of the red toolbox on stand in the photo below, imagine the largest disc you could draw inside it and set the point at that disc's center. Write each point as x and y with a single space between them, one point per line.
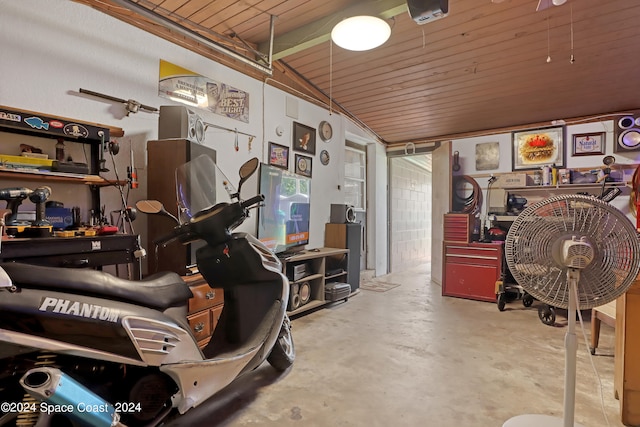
471 270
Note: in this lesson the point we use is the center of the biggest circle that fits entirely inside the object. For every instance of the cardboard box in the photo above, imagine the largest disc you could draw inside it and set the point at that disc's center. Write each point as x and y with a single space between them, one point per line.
511 180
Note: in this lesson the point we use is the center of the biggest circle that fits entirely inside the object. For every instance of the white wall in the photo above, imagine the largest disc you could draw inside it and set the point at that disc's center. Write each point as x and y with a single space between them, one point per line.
52 48
377 210
441 191
411 200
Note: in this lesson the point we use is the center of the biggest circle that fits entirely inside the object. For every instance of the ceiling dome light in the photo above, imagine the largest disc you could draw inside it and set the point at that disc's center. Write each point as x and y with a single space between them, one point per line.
558 2
361 33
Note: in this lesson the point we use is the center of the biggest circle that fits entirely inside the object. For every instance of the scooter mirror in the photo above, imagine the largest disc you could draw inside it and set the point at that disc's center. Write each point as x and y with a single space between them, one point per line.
149 206
246 170
154 207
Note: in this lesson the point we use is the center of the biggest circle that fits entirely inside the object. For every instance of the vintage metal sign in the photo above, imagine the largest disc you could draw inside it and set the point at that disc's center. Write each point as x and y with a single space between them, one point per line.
184 86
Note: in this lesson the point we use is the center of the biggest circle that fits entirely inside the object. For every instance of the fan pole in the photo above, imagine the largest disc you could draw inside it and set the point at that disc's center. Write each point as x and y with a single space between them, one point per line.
571 347
570 354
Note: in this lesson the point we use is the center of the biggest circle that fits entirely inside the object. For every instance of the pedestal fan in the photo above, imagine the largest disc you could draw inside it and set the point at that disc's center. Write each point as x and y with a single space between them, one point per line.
574 252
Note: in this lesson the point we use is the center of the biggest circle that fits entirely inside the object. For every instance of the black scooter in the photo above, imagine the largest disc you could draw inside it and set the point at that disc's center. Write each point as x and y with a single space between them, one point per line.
85 348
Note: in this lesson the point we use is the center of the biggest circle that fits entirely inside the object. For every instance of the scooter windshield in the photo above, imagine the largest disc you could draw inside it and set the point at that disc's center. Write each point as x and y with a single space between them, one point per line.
200 184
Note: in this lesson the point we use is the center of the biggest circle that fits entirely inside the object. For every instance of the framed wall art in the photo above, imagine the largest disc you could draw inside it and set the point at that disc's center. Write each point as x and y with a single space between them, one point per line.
278 155
304 138
534 148
303 165
487 156
588 144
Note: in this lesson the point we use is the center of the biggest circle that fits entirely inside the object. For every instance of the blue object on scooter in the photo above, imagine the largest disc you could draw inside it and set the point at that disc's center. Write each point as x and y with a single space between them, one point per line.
60 393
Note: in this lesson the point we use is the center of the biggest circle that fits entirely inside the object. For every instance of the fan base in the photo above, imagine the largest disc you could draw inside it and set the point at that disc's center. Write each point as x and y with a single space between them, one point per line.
531 420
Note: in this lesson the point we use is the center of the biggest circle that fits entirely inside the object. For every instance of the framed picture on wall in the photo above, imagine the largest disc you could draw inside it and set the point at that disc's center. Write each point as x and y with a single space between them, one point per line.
304 138
278 155
303 165
588 144
487 156
534 148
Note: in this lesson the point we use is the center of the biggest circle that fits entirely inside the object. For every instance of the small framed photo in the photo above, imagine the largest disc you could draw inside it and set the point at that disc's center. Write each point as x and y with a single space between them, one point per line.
278 155
534 148
304 138
303 165
588 144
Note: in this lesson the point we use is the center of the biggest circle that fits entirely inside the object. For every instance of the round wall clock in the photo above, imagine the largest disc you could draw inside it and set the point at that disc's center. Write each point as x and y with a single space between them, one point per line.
326 131
324 157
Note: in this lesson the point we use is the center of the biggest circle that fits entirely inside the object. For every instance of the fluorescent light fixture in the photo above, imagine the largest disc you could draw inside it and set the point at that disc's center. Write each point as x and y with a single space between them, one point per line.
361 33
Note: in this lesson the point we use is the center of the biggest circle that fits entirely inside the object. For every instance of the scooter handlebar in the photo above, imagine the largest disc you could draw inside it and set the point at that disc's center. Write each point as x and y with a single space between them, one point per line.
252 201
230 217
182 232
165 240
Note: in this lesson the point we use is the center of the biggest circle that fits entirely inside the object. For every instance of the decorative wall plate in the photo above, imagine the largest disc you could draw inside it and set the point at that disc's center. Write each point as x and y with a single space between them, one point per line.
303 165
324 157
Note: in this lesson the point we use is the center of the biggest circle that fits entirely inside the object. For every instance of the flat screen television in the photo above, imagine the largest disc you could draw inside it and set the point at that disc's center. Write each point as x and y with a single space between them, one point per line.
283 220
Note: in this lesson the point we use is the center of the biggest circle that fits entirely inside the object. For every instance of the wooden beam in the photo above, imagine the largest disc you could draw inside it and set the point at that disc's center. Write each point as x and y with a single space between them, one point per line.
320 31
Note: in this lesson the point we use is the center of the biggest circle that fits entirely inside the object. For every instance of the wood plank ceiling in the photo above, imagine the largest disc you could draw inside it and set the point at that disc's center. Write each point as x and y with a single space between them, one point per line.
481 69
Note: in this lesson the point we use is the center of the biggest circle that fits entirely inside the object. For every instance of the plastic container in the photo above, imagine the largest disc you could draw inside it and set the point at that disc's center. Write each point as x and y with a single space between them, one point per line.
546 175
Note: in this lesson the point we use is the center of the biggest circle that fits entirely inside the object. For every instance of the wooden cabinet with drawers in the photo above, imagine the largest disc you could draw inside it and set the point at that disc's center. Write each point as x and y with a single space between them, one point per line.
204 308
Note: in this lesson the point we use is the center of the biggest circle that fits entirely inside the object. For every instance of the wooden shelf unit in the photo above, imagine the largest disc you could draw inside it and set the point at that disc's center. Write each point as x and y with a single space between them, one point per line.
318 261
25 175
94 135
564 187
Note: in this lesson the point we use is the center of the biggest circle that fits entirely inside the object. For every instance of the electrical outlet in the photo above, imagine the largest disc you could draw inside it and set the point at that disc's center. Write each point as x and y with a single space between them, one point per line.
140 253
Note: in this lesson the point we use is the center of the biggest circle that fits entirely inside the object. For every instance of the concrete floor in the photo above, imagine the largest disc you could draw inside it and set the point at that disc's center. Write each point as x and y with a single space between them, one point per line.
410 357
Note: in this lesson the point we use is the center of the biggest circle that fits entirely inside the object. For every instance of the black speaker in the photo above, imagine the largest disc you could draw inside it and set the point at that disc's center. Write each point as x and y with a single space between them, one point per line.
347 236
294 297
627 133
342 214
304 293
423 11
177 121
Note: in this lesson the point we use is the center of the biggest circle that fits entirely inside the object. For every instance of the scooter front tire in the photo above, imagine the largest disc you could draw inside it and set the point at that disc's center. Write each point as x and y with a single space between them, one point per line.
283 352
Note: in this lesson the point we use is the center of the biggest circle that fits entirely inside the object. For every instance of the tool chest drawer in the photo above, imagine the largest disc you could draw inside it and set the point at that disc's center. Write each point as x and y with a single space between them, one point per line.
457 227
471 270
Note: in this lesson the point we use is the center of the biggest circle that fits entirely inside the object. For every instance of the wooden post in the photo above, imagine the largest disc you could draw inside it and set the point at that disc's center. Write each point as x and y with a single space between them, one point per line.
627 353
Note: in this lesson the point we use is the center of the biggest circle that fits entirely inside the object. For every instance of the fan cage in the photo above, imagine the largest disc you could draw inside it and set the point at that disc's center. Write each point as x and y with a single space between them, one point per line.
534 243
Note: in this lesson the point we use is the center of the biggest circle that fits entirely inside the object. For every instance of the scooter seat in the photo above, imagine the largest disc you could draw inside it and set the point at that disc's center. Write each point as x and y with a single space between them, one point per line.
160 290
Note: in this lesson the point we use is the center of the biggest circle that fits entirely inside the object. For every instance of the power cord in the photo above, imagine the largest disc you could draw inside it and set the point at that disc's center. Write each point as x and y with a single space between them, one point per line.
593 366
468 204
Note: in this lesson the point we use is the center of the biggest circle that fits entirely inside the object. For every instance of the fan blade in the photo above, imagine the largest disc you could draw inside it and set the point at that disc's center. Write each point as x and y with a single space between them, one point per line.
543 4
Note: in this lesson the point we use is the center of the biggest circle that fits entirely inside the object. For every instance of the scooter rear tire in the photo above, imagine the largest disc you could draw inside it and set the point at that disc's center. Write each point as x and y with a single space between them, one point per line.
283 352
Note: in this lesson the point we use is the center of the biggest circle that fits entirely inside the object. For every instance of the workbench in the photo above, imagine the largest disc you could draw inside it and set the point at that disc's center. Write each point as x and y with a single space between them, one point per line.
92 252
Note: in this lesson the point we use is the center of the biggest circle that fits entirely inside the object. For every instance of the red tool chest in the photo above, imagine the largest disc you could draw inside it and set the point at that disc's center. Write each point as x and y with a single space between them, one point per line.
471 270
